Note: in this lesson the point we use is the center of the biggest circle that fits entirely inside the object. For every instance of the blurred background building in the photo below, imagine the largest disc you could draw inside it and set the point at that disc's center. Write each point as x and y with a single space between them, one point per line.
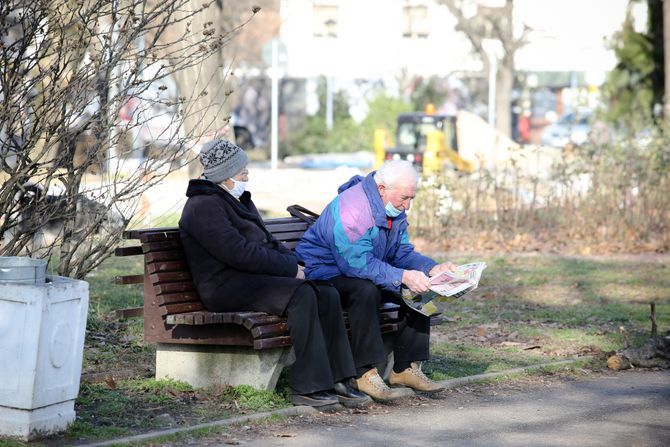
358 47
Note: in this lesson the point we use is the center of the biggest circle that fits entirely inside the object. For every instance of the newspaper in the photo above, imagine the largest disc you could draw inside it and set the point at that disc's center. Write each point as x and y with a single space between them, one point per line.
445 287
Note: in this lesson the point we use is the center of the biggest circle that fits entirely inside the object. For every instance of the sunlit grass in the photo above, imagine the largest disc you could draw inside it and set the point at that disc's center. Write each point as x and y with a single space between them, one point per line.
546 307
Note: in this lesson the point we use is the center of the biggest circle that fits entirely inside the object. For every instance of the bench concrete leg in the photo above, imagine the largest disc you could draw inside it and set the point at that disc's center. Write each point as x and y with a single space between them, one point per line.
203 366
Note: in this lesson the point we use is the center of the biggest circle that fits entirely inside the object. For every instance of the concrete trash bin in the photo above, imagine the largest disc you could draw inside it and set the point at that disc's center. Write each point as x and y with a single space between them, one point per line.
22 270
42 327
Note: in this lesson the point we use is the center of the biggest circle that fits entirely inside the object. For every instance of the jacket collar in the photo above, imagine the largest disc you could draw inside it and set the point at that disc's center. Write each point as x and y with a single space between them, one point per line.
243 206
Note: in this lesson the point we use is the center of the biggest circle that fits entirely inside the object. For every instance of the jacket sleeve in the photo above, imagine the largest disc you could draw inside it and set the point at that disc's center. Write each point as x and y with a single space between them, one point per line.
407 258
213 230
356 259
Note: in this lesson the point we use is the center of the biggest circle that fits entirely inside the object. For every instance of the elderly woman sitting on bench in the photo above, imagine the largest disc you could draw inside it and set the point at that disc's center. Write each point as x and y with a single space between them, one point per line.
237 265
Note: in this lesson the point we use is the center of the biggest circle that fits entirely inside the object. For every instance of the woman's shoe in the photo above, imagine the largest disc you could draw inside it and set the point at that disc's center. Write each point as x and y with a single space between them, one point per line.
349 397
319 399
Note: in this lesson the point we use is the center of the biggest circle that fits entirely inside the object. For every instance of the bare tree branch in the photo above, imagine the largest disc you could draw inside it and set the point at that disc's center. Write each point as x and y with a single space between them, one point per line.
84 86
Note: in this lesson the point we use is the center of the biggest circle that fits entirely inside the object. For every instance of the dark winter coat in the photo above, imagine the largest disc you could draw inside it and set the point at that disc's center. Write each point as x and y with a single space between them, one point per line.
236 263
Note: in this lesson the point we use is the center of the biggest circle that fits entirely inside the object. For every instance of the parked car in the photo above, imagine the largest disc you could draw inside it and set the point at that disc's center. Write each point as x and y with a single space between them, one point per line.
571 129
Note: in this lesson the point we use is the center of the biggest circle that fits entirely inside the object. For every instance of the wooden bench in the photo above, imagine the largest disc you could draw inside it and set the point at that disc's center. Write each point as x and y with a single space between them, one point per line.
205 348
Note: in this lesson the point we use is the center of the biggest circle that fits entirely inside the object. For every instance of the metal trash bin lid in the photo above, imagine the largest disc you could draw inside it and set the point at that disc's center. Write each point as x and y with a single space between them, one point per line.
21 269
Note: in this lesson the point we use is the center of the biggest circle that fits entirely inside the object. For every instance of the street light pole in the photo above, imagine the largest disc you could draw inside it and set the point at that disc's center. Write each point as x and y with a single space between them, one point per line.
329 103
493 70
274 117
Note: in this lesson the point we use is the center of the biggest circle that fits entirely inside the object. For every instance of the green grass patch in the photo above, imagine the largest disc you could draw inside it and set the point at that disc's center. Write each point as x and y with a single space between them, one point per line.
460 360
250 398
105 297
13 443
109 410
540 308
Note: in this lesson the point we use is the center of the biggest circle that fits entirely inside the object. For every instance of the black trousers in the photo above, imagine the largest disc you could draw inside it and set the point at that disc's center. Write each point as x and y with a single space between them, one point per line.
322 351
362 299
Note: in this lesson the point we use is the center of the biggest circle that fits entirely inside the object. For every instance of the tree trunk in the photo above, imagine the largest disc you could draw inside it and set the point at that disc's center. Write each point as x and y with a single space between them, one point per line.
504 85
207 113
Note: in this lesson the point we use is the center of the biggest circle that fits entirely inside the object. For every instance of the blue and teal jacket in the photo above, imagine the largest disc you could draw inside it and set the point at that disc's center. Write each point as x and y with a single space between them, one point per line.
354 237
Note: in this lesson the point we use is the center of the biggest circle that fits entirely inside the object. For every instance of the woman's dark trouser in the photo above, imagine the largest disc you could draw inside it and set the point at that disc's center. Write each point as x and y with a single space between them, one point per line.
362 299
319 338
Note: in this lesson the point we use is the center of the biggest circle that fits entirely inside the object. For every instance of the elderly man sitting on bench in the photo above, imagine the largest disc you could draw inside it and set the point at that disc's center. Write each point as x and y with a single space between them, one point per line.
237 265
360 244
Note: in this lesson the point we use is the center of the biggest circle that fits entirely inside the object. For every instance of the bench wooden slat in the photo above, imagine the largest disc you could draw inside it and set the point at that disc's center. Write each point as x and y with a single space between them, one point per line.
130 312
170 309
290 245
279 222
242 317
260 320
270 330
175 287
128 251
160 237
267 343
283 227
173 298
170 277
150 247
163 256
213 317
276 224
129 279
210 318
289 236
138 232
167 266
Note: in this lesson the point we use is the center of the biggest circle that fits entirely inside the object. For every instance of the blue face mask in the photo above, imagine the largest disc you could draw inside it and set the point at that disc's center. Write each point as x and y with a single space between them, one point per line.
392 211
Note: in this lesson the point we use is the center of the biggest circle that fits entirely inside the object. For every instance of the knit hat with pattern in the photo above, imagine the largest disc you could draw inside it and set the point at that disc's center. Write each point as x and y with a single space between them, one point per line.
222 159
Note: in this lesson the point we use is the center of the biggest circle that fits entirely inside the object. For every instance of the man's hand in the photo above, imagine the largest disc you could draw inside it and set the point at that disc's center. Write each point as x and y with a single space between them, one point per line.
439 268
415 280
301 272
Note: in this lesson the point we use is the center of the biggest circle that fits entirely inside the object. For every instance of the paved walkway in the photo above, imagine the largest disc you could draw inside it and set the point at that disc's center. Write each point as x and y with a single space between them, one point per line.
630 408
626 408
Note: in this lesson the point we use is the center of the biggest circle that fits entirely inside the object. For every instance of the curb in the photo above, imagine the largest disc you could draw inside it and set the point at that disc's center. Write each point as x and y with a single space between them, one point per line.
306 410
286 412
453 383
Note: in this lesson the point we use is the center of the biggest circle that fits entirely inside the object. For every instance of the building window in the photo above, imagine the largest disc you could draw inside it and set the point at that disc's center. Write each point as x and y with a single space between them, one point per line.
325 20
415 21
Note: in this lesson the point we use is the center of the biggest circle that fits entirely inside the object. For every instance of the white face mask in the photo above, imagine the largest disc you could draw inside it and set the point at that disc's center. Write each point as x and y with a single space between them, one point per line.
238 188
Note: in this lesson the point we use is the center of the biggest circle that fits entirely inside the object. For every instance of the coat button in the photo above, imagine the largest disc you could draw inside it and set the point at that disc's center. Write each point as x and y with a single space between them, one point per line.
396 283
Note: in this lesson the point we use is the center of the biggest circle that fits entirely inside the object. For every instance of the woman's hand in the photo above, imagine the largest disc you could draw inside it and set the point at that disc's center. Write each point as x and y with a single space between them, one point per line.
301 272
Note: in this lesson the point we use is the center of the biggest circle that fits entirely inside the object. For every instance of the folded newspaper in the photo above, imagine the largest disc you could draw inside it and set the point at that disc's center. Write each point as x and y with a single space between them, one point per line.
445 287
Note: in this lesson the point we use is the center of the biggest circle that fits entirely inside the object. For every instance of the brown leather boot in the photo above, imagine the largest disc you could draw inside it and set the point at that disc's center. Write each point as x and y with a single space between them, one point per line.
374 386
414 378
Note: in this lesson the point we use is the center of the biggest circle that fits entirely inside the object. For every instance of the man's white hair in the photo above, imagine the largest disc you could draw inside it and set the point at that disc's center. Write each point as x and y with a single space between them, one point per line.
395 172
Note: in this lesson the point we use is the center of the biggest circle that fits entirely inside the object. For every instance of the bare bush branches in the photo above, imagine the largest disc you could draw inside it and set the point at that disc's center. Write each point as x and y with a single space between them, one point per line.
605 197
94 109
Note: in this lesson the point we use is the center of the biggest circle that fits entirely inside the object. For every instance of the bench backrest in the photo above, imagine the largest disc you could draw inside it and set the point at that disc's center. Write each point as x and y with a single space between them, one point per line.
170 275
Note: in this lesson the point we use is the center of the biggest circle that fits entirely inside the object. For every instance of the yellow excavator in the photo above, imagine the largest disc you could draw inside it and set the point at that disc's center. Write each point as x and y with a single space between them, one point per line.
427 139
